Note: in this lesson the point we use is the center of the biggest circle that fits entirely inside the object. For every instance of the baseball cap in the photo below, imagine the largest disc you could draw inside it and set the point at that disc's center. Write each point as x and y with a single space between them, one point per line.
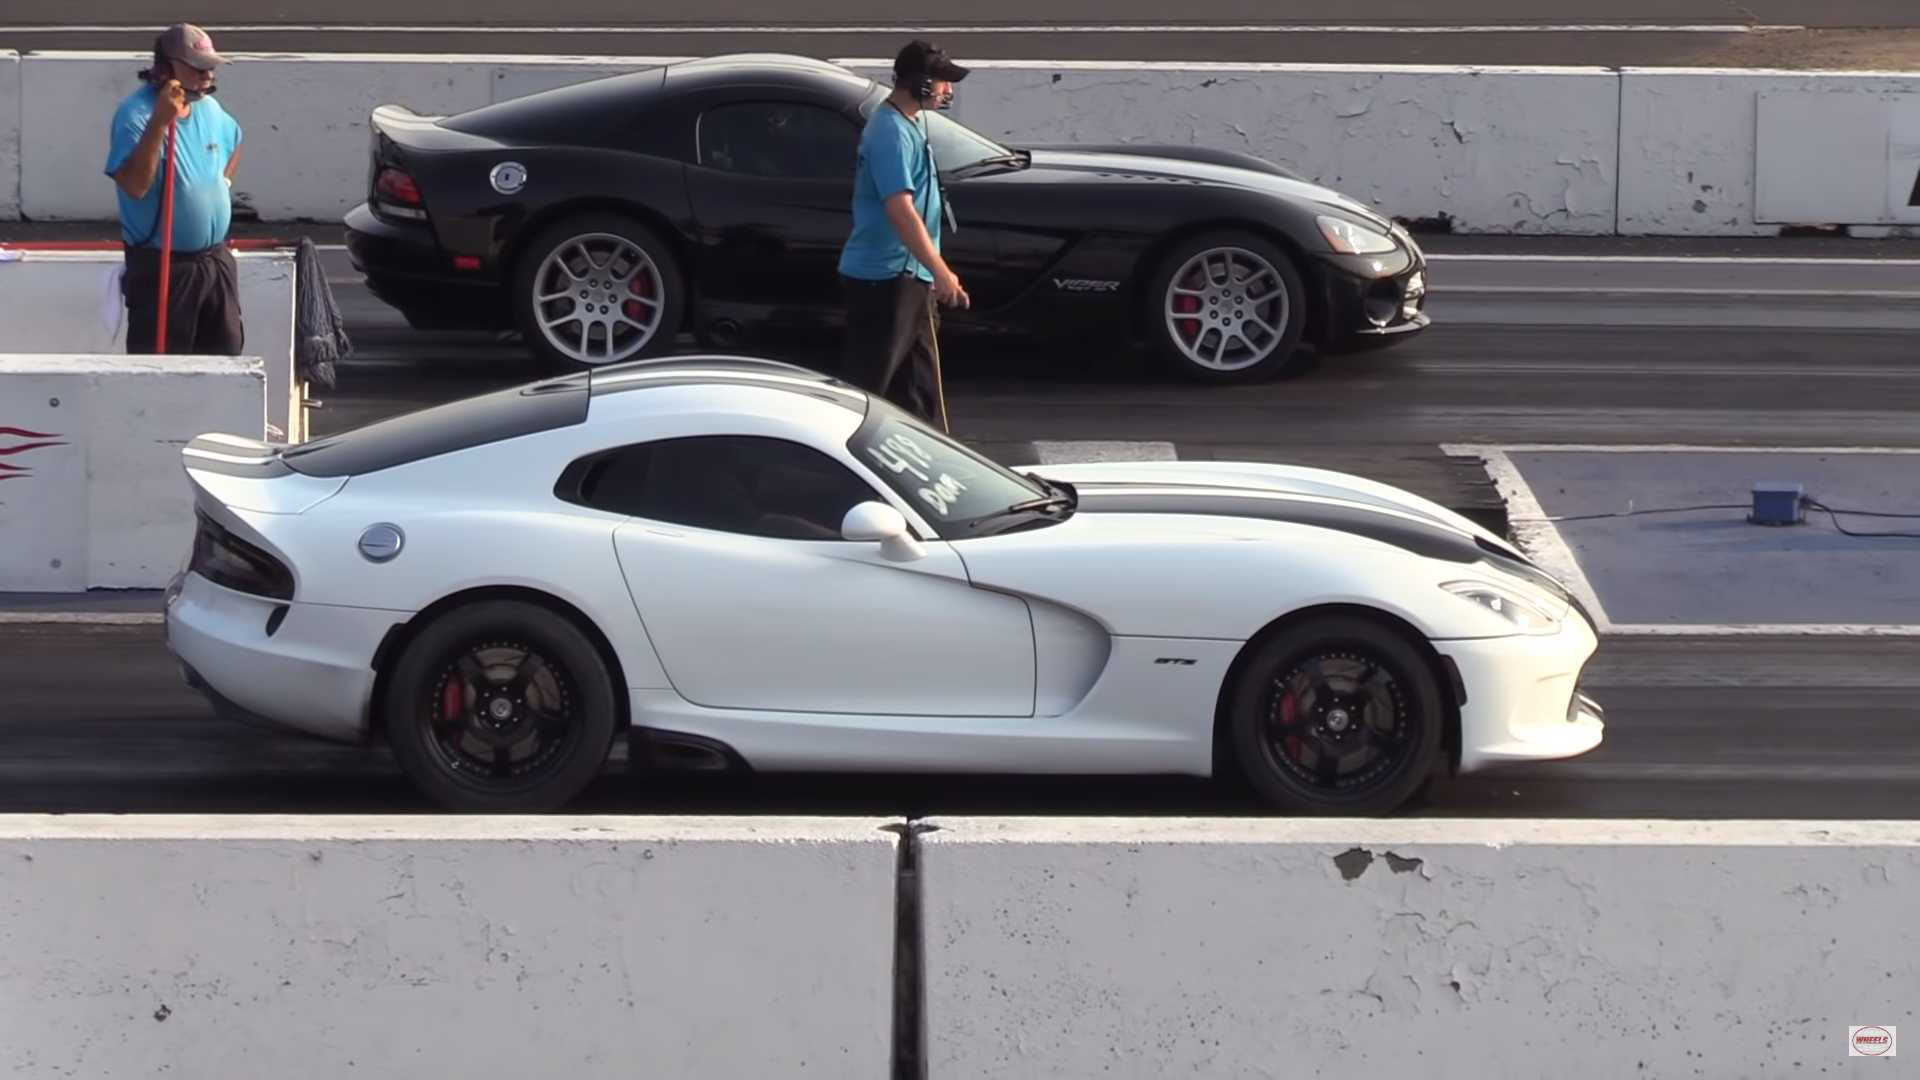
926 58
190 45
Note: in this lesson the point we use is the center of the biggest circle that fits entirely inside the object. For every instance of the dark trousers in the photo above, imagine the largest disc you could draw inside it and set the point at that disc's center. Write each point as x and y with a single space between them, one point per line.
892 346
203 302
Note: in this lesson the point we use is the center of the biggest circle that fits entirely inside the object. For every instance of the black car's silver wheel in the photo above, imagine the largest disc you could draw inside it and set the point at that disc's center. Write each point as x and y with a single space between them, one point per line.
597 290
598 299
1230 308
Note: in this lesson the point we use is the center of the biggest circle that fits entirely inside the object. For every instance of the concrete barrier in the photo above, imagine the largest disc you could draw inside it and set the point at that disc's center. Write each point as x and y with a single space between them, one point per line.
91 493
304 121
1496 150
1440 949
1489 149
395 947
9 134
1745 153
69 302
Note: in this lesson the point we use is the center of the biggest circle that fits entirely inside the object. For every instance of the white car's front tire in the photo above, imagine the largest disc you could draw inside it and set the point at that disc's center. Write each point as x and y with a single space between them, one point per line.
1336 715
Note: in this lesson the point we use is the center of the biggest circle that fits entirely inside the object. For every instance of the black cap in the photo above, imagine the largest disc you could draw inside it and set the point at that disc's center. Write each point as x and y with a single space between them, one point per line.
923 58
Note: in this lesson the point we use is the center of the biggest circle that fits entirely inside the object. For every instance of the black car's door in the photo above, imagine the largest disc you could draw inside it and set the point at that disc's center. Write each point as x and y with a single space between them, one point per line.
771 194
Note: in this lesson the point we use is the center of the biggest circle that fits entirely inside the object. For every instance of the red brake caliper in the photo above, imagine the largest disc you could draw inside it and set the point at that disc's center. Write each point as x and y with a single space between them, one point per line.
642 286
1289 712
451 699
1187 305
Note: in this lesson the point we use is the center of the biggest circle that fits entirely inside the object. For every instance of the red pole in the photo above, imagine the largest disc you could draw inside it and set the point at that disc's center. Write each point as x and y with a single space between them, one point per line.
166 240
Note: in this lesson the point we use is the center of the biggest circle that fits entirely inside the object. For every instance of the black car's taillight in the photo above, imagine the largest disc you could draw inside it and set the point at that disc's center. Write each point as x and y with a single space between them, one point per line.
225 559
398 194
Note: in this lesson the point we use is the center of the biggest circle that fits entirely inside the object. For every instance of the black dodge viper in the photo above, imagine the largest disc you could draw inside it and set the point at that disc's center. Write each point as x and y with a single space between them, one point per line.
603 219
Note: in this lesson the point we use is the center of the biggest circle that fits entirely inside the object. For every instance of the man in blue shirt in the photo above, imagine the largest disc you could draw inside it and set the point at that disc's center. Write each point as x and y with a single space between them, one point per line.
891 270
203 290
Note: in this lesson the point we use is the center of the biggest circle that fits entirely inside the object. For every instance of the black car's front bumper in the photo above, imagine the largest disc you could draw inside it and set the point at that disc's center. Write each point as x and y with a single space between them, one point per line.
406 267
1372 301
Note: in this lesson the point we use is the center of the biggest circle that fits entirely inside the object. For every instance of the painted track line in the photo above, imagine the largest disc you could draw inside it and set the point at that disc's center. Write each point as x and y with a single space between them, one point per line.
909 29
1678 291
1535 534
82 618
1675 260
1540 537
1469 450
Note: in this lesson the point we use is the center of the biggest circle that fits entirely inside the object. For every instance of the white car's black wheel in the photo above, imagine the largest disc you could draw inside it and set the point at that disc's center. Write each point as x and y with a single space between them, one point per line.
597 289
1229 307
1338 715
501 706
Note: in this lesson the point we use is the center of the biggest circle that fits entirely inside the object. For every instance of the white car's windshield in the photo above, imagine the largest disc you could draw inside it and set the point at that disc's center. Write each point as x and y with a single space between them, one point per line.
953 487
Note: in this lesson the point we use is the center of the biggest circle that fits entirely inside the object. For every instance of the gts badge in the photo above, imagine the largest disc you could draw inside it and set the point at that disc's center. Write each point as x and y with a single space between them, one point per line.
1074 284
1180 661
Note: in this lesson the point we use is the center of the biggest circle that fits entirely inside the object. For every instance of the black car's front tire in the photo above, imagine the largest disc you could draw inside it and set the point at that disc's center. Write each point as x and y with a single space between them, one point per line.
1336 715
501 706
1227 306
596 289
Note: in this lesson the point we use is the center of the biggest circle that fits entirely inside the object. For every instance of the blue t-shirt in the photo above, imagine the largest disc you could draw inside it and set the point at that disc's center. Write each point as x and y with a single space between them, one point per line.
894 157
202 201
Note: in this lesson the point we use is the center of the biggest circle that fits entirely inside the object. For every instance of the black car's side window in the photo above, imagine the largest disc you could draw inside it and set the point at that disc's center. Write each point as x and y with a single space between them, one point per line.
732 483
779 139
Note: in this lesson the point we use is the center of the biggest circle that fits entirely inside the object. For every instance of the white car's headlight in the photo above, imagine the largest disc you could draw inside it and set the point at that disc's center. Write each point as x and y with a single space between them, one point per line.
1525 613
1352 239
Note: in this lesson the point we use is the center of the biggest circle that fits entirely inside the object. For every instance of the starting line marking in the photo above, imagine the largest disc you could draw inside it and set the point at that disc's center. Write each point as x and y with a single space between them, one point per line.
1074 452
1542 539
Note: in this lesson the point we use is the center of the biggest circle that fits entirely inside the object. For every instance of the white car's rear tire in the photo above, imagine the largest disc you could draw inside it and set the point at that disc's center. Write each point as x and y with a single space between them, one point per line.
501 706
1336 715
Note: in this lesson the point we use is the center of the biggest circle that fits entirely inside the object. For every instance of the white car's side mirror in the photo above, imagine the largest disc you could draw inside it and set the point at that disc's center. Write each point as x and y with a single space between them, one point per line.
870 521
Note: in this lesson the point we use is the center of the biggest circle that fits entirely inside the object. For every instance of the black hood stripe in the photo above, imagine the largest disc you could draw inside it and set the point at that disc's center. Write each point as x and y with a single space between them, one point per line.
1400 528
1386 526
1403 529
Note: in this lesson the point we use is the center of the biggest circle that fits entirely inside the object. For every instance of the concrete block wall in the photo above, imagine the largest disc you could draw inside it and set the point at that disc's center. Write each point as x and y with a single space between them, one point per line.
70 302
1698 147
10 106
1057 947
1495 150
304 122
94 497
1439 949
318 948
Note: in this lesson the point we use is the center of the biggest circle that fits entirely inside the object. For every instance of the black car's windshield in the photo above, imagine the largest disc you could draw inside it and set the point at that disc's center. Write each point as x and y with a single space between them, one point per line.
955 145
962 493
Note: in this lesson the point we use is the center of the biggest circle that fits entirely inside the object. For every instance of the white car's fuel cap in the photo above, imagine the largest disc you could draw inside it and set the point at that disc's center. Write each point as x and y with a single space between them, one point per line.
382 542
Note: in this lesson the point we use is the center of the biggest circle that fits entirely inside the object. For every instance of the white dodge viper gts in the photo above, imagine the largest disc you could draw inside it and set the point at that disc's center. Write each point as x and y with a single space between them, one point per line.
739 563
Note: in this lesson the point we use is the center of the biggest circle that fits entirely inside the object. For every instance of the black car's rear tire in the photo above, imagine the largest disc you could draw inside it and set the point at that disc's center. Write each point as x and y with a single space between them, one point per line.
597 288
1227 306
501 706
1337 715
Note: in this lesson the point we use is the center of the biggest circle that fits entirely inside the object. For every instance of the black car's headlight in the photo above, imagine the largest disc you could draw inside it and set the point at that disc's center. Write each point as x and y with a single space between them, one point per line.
1352 238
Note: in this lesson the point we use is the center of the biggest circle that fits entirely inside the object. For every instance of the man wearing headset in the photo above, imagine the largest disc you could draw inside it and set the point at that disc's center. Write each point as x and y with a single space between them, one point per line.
203 287
891 270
